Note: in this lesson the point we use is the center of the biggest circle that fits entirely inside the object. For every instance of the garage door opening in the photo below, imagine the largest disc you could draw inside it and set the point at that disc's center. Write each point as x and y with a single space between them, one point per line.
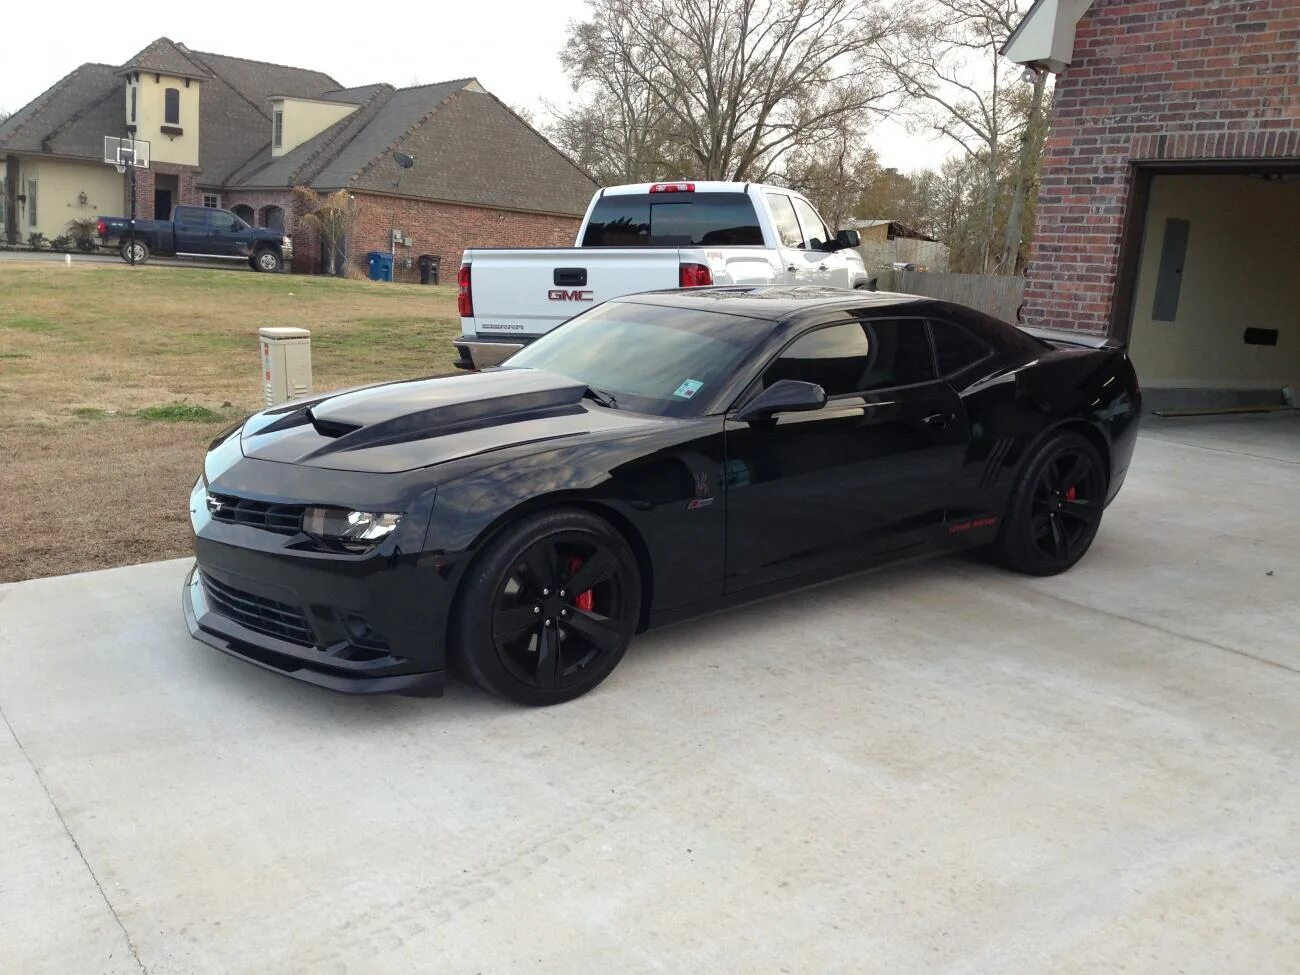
1212 304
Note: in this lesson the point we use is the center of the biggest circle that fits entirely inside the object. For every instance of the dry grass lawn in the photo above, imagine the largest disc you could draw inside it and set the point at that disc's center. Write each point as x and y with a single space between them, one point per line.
113 380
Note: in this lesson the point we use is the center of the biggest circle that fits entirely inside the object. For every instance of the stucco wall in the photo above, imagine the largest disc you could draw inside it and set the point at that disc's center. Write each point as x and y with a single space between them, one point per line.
305 118
181 150
59 186
1240 272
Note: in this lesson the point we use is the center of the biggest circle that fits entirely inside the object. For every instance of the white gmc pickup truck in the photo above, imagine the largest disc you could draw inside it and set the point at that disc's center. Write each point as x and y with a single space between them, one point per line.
646 237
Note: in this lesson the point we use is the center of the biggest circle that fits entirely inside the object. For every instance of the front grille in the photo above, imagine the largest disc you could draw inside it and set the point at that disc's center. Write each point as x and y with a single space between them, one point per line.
284 519
268 616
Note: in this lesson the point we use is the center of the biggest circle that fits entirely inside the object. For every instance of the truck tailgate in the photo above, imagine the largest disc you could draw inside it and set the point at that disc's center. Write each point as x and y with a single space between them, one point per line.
529 292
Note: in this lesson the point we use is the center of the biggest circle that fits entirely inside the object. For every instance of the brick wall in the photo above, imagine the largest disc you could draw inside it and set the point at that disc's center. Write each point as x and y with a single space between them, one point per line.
187 190
447 229
1152 80
306 244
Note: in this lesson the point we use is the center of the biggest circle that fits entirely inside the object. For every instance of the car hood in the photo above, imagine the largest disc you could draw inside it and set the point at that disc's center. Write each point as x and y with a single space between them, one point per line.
403 426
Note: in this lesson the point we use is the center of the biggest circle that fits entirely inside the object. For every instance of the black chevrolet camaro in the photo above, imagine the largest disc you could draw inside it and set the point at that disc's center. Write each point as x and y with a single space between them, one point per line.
659 456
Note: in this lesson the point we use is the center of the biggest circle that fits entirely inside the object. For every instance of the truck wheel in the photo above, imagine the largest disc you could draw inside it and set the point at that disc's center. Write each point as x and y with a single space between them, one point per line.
266 260
135 252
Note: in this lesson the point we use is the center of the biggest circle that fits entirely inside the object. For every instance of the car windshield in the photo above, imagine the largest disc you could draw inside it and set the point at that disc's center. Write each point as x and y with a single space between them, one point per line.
650 358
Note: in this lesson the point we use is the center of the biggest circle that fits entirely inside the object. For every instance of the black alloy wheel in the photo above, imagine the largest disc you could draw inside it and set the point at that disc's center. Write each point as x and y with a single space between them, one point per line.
1056 508
549 609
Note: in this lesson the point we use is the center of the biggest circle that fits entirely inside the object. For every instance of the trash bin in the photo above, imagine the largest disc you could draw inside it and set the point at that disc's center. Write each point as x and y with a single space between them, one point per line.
381 266
429 268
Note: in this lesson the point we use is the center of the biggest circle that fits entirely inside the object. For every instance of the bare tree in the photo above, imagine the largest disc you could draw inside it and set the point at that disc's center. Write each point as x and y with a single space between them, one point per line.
333 217
957 84
733 85
834 173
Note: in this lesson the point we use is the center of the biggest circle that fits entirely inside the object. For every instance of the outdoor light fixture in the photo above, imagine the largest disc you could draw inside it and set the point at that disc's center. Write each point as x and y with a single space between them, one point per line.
1030 76
82 198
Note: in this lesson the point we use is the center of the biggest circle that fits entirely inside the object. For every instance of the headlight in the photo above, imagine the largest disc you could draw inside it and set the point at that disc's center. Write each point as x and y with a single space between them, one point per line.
349 526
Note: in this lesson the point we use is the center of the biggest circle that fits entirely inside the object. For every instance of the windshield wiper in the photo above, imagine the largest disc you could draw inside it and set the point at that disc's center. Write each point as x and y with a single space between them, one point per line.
602 397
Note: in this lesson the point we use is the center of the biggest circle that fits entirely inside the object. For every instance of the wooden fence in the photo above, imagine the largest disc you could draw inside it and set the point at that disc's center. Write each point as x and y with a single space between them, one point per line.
996 295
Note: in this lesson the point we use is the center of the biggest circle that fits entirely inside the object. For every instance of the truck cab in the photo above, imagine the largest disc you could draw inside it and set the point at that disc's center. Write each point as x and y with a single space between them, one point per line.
646 237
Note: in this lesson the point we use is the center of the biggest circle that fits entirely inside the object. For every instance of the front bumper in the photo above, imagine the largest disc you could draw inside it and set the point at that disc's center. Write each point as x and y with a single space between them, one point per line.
341 653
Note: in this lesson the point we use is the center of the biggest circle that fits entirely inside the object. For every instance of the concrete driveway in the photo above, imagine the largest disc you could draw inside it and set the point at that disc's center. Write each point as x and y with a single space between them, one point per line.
939 768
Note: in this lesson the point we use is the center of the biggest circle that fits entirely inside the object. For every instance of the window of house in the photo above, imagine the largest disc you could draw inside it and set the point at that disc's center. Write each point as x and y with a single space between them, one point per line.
135 95
31 203
172 106
857 357
277 129
212 200
4 203
955 348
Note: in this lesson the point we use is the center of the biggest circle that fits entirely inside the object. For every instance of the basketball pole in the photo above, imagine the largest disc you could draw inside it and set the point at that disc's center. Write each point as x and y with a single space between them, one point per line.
130 247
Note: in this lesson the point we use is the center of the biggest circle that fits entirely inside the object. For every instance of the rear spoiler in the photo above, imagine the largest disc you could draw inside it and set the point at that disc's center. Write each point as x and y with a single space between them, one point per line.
1084 340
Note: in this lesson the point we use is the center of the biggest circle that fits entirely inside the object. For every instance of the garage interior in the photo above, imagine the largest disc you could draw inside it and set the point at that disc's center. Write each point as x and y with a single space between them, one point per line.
1212 310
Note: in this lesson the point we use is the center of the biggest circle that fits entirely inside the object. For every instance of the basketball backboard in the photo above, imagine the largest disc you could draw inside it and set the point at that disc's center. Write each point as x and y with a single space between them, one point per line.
126 152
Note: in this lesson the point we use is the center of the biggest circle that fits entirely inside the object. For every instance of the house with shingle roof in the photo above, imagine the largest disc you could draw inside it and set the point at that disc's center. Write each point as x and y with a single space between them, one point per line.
228 132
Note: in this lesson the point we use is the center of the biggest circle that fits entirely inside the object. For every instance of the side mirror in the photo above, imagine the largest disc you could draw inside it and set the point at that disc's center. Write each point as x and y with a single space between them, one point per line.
784 396
847 238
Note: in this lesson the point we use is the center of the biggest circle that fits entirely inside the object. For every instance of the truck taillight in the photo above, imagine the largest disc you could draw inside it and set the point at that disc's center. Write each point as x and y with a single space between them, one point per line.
693 275
672 188
101 228
465 298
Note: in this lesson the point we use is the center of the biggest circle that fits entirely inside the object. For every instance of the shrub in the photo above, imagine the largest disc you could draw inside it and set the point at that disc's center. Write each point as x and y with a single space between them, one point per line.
36 240
83 233
61 243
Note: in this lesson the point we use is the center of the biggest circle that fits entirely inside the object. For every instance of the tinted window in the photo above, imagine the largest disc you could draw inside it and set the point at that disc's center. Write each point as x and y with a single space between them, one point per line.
787 224
172 106
857 357
670 361
955 348
814 230
223 221
673 220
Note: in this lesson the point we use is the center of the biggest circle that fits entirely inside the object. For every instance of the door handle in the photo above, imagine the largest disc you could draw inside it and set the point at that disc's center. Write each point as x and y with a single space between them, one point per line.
821 267
938 420
792 268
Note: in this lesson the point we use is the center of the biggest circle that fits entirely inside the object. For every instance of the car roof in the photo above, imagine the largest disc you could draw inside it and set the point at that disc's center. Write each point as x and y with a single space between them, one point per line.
774 303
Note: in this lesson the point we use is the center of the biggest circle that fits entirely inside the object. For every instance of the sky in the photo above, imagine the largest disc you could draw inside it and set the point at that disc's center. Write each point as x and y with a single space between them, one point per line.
512 47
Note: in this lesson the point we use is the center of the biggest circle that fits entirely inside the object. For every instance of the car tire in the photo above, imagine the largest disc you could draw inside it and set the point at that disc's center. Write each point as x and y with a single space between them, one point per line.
1055 508
521 632
266 260
140 248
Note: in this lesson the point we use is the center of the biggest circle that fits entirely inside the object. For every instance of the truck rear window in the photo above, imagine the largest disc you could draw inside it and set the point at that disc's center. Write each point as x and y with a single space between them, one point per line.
673 220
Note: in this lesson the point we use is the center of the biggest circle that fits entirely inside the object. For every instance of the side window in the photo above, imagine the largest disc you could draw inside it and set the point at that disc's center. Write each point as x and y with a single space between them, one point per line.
955 348
172 106
834 358
787 224
221 220
858 357
815 234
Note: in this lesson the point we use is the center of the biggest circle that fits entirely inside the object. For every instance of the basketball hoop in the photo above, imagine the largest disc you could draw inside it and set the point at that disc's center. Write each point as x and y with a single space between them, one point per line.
120 167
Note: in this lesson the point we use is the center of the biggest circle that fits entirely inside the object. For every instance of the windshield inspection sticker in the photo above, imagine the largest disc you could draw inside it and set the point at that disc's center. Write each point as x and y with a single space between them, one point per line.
688 389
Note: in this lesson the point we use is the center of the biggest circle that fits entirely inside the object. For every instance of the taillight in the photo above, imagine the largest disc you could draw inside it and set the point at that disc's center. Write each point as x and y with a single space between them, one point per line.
101 228
672 188
465 298
693 275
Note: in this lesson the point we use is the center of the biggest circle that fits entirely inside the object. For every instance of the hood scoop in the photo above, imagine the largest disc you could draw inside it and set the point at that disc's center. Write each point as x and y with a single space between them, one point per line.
465 412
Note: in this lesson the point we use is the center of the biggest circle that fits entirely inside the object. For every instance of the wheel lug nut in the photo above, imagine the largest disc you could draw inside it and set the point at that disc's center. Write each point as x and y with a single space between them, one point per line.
536 610
562 593
549 622
546 592
564 612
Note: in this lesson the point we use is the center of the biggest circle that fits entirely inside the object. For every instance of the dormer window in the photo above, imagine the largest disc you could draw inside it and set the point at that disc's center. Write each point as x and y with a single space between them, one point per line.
171 106
277 129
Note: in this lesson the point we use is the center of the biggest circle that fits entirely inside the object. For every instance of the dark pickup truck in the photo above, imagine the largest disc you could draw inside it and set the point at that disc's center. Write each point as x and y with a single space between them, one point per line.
197 232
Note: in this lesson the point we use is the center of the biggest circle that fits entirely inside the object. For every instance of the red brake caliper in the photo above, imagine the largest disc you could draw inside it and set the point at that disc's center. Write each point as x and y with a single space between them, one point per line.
584 601
1072 494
